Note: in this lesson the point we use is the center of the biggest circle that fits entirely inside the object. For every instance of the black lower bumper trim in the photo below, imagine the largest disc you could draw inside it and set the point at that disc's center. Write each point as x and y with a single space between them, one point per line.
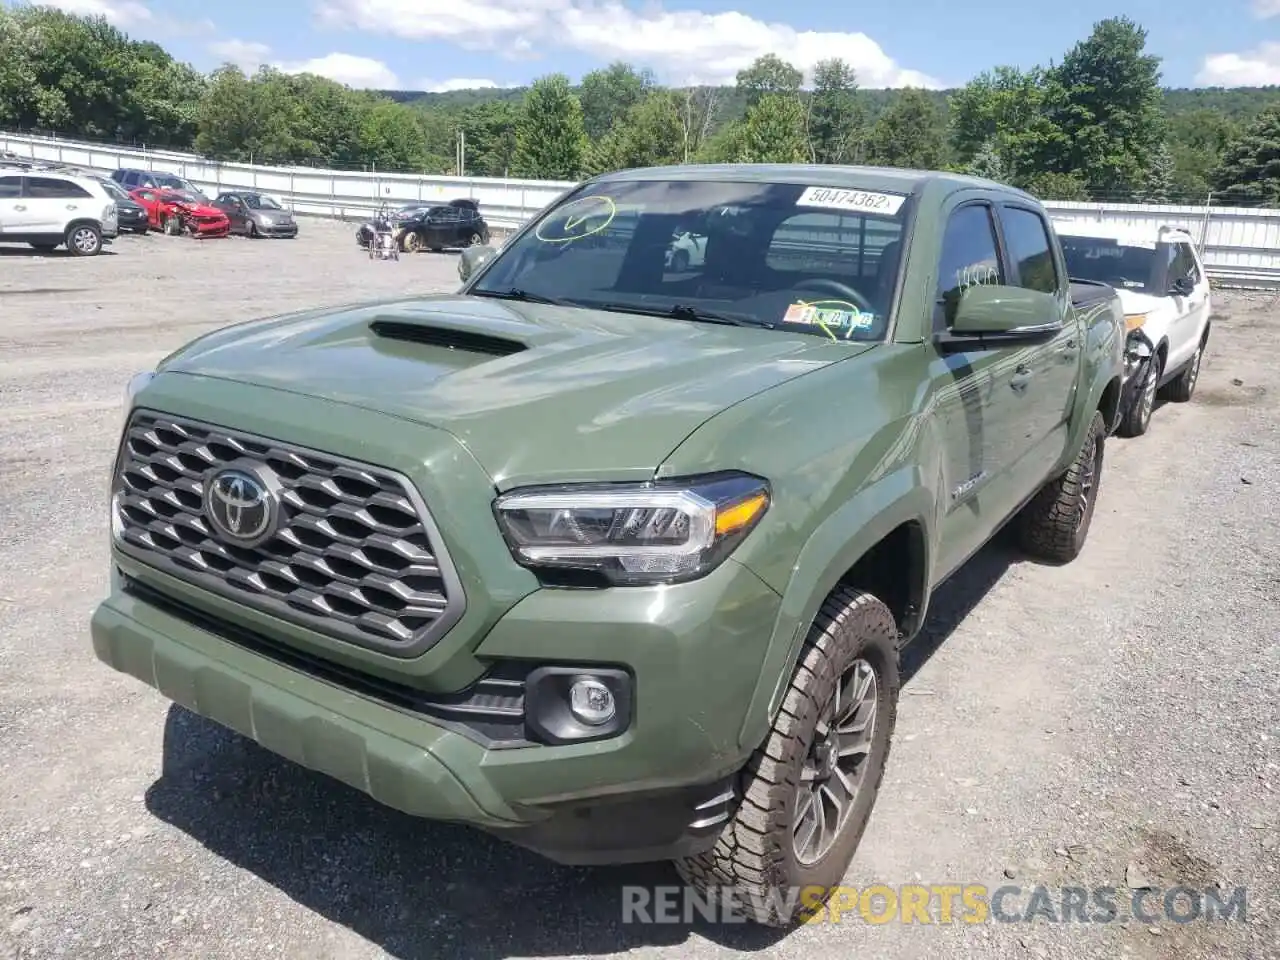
632 828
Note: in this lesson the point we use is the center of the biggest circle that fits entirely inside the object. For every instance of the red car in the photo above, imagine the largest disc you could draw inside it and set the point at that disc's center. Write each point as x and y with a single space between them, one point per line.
180 211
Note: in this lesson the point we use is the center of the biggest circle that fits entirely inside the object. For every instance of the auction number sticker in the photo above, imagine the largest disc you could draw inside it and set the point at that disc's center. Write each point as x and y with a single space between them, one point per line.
864 201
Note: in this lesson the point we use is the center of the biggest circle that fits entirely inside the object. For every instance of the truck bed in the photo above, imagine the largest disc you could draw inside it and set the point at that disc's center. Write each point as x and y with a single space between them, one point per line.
1085 292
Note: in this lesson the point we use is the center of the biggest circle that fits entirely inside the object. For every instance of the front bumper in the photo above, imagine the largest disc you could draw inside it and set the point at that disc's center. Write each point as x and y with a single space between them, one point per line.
286 230
658 790
693 653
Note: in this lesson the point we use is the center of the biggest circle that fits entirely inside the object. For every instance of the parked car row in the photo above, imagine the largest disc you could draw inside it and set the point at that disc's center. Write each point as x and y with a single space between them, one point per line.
47 205
431 226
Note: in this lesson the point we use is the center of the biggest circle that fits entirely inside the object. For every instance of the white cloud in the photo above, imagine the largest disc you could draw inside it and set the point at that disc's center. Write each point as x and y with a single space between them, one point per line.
120 13
245 54
1258 67
460 83
683 46
1265 9
359 72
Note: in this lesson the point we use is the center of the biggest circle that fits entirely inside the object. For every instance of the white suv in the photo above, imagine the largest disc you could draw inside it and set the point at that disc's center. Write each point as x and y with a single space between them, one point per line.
47 209
1165 294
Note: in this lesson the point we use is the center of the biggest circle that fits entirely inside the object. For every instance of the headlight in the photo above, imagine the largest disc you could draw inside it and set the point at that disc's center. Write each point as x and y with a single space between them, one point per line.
267 221
633 534
1134 321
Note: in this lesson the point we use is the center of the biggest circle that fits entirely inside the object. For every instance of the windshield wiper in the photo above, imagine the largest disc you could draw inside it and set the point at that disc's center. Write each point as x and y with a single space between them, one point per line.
515 293
683 311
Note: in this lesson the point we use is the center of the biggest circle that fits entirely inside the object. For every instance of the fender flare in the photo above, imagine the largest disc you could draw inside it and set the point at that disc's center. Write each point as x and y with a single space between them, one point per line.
831 551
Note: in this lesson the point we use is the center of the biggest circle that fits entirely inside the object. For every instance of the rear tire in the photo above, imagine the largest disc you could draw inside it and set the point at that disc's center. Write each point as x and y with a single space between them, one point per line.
849 657
1055 524
84 240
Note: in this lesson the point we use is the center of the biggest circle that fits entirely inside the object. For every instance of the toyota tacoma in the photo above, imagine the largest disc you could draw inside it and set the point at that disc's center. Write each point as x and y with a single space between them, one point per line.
611 559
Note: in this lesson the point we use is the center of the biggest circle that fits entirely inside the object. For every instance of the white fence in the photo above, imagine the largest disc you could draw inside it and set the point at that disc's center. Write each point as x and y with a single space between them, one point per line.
1239 245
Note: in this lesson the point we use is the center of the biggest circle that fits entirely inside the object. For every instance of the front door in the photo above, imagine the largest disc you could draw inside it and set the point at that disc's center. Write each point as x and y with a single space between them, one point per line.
1184 331
979 403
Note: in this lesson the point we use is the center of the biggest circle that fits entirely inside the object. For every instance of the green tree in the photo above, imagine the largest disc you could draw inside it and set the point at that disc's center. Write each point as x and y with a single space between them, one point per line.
1157 186
650 134
1107 101
1001 117
1197 140
726 145
392 138
768 74
1056 186
227 118
988 163
836 117
909 133
551 143
1249 172
608 94
773 131
491 137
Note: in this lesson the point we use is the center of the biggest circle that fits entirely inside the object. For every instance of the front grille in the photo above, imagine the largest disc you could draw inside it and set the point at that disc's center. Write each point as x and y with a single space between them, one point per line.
355 554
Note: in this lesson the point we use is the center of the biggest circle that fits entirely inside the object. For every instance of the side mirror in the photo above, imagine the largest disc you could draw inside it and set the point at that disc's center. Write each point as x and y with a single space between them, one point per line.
997 310
472 258
1184 287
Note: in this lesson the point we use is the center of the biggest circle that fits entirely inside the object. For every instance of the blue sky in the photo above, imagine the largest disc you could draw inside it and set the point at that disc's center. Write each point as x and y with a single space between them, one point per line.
449 44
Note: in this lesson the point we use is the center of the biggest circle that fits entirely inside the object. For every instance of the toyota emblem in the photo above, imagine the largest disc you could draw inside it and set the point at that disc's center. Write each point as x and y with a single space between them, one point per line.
242 504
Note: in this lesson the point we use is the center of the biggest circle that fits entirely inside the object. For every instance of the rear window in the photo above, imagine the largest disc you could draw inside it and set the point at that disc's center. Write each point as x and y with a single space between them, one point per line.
1125 266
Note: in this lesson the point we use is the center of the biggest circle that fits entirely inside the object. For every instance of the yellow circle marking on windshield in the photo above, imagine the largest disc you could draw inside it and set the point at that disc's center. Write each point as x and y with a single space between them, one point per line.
579 223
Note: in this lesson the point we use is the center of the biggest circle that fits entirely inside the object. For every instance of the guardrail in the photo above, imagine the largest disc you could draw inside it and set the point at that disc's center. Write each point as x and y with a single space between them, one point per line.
1240 246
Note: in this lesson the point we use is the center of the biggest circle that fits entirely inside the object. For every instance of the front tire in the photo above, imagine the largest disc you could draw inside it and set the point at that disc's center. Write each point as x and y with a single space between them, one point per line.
1184 384
1137 418
84 240
808 790
1055 524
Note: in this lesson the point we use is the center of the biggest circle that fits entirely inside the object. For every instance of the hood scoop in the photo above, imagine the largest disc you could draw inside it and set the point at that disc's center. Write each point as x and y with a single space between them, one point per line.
450 338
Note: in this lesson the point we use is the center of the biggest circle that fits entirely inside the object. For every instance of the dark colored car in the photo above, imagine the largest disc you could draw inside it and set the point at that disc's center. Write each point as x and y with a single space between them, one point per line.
366 230
131 179
456 224
131 214
256 214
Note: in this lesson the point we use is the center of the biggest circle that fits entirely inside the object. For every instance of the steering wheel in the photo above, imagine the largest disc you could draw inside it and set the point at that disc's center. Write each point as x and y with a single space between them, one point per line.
841 291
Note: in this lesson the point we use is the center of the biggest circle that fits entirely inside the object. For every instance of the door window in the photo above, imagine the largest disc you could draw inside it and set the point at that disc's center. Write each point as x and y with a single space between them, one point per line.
970 257
1184 263
10 188
1029 249
47 188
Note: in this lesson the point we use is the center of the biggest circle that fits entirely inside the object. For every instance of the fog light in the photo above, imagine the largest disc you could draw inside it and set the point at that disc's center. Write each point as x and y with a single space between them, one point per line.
592 702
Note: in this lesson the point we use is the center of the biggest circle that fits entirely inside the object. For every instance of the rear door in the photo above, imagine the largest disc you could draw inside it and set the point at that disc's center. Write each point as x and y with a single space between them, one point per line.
12 209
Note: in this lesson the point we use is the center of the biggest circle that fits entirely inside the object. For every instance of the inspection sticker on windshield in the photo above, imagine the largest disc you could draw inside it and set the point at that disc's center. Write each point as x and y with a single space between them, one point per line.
863 200
843 317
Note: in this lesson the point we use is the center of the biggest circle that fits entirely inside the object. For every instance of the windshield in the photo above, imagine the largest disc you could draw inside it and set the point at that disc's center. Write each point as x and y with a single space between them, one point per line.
117 192
256 202
185 196
811 259
178 185
1127 266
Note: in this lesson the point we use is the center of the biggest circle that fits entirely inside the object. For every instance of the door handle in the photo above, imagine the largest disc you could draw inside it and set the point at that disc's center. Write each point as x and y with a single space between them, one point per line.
1021 377
19 206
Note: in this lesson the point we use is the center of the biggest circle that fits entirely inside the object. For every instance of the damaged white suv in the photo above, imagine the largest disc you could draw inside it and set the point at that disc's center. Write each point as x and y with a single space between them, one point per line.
1165 295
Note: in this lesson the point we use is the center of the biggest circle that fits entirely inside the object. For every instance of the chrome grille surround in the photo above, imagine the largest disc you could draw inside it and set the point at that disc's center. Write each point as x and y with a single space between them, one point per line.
356 554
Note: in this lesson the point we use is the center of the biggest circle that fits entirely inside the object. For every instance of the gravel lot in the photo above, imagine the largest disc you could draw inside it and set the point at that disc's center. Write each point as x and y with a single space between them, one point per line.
1071 726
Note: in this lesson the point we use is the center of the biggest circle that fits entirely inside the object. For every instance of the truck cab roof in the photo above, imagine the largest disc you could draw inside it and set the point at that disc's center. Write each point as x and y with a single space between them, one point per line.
892 179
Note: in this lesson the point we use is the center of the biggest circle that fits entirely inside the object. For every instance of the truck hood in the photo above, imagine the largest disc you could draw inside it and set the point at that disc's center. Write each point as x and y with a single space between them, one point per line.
537 393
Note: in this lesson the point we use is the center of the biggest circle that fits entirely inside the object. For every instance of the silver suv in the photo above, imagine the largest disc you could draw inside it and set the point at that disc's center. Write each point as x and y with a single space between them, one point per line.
47 210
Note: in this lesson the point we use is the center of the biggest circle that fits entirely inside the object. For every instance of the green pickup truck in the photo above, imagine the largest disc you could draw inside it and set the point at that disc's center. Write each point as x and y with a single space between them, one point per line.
613 552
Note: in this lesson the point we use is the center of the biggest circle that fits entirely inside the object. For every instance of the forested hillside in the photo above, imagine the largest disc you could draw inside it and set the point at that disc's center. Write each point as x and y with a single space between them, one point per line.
1073 130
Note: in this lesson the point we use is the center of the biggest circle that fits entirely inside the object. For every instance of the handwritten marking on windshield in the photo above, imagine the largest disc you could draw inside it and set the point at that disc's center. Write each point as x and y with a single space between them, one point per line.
578 221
